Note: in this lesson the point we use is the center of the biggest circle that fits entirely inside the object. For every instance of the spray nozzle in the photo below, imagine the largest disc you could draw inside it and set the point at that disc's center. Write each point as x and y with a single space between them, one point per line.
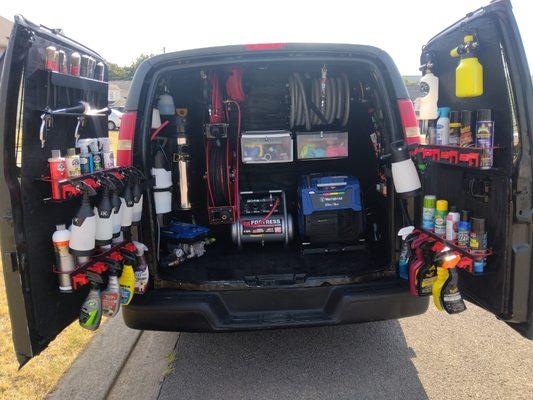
114 266
129 257
469 44
85 188
95 279
141 248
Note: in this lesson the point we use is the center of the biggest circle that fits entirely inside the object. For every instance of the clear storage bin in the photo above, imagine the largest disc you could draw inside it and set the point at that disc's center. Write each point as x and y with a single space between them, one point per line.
265 147
321 145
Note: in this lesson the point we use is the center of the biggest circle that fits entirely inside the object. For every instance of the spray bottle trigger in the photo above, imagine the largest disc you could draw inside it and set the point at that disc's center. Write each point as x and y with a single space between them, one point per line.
85 188
406 231
94 278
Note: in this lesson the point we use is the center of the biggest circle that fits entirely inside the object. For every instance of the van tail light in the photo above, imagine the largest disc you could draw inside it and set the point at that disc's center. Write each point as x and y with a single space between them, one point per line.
125 139
411 130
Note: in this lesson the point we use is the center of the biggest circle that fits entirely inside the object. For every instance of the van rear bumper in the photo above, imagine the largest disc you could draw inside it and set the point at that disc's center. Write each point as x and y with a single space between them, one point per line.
222 311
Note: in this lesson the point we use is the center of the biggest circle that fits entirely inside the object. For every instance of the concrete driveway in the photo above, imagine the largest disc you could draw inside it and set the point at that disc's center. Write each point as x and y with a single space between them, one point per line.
434 356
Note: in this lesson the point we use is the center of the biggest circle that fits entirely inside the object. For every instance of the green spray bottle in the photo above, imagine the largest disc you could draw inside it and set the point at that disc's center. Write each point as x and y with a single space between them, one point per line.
91 309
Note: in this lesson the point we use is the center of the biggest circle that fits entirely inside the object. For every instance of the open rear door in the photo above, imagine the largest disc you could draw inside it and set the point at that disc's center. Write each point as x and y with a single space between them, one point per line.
501 194
38 311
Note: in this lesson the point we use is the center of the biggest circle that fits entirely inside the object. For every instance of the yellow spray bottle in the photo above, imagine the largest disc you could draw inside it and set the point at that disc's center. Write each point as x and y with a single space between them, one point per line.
127 279
469 72
445 261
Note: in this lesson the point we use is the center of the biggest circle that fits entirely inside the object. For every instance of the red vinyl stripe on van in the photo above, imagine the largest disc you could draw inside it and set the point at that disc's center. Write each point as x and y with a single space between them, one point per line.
411 130
125 139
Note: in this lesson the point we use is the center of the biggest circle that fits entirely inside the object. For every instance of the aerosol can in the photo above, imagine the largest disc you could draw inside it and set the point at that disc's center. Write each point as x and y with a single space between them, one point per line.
111 295
91 309
83 228
127 207
127 279
142 273
104 219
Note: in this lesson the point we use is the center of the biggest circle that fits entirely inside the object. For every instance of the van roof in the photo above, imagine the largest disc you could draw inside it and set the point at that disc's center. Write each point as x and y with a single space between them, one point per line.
263 51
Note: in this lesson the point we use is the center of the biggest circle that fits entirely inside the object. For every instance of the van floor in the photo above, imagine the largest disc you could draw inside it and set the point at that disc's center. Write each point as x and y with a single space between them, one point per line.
225 267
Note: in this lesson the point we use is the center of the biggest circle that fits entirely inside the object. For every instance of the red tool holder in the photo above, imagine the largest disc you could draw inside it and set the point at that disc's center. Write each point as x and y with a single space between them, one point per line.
467 256
69 188
97 264
454 155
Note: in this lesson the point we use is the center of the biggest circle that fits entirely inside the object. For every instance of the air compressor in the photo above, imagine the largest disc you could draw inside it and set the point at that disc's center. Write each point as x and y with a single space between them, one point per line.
263 218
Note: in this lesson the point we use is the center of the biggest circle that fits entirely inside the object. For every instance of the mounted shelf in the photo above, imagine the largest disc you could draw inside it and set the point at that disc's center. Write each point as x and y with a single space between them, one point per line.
78 82
464 157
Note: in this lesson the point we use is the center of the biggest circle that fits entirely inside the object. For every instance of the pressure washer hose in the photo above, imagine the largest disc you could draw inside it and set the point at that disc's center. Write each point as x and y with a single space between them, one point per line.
307 109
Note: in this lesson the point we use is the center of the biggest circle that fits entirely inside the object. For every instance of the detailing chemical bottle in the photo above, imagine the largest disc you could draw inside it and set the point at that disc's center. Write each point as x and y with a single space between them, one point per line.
83 228
441 212
126 200
404 174
86 158
444 261
137 211
111 295
443 126
432 132
91 309
455 128
478 241
466 138
142 274
463 229
97 156
108 158
429 95
405 253
419 247
116 217
485 137
427 273
428 212
469 72
127 279
104 220
64 260
58 172
452 224
72 161
450 296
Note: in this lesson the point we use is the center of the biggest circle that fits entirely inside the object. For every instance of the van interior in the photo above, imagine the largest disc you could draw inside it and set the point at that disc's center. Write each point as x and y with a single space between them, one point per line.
356 249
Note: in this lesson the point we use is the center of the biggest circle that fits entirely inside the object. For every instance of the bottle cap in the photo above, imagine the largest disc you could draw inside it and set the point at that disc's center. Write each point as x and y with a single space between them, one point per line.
484 114
442 205
455 117
56 153
444 112
61 227
429 201
466 117
478 224
71 152
465 215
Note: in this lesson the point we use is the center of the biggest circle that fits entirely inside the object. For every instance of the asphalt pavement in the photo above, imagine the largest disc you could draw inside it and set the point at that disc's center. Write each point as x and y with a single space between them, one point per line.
433 356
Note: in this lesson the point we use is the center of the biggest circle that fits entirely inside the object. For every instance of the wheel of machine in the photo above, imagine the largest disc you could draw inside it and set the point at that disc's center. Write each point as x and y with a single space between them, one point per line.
111 126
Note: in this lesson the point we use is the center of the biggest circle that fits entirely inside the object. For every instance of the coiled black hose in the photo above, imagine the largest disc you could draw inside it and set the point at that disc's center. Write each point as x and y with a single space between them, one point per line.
309 110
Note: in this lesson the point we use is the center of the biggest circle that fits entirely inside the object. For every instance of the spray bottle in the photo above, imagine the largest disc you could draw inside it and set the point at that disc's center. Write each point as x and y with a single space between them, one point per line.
86 158
142 274
83 228
91 309
127 207
58 172
429 94
405 253
111 295
427 274
469 72
446 294
127 279
162 186
137 202
104 221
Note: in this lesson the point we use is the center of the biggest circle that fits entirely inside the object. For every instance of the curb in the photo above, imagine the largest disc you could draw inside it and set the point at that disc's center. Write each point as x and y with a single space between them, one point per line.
92 375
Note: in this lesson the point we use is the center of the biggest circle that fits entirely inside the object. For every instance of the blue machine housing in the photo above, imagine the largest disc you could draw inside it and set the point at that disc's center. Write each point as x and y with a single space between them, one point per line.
184 232
330 202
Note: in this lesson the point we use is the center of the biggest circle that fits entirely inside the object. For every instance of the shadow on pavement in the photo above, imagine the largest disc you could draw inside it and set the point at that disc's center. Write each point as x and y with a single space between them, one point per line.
365 361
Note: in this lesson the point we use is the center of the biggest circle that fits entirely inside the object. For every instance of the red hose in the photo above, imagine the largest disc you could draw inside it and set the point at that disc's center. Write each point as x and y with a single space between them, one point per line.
216 116
262 220
156 132
234 85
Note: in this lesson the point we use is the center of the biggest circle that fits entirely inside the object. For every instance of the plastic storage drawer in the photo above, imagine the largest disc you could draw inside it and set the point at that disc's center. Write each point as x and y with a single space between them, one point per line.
321 145
265 147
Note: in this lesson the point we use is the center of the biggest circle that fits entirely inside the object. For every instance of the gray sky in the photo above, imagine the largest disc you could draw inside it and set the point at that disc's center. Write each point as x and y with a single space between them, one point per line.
121 30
